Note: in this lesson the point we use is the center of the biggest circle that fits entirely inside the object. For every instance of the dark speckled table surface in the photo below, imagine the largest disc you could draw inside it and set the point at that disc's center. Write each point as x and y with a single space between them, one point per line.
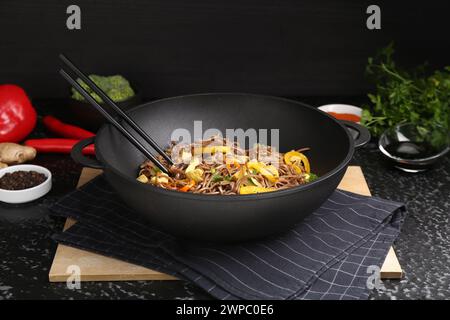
423 248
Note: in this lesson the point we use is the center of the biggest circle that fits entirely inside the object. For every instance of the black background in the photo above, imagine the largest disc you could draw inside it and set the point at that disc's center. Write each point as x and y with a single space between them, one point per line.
172 47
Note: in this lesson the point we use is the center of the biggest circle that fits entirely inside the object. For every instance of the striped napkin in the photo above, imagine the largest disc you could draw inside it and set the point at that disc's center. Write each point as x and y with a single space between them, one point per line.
329 255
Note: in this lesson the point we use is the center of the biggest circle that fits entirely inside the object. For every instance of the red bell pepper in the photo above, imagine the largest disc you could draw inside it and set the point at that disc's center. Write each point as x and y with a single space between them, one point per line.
17 115
56 145
65 130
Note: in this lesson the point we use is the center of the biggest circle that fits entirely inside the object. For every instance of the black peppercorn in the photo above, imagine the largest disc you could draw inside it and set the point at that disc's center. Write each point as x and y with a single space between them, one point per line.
20 180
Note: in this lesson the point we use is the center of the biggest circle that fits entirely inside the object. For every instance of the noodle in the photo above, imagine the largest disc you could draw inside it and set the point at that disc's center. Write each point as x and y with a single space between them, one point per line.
219 166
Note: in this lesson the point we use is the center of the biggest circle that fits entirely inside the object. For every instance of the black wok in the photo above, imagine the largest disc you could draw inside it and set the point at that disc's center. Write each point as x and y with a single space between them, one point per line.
227 218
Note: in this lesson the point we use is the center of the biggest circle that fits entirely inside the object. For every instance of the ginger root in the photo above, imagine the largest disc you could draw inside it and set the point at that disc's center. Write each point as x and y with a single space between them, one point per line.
13 153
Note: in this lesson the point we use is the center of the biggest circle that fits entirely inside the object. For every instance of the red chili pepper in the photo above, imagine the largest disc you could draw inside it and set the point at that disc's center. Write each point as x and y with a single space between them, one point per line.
65 130
56 145
17 115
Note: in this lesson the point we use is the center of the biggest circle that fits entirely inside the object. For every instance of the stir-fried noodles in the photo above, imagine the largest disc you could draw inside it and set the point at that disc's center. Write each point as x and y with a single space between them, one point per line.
218 166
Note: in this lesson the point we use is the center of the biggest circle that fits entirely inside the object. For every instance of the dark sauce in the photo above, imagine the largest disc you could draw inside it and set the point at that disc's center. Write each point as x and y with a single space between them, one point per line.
410 150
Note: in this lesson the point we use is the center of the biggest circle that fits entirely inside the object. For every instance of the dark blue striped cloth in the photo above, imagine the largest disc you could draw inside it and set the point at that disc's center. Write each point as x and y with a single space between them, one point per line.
327 256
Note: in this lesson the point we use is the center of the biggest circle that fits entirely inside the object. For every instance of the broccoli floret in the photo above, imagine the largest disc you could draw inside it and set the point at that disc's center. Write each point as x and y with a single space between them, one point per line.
116 87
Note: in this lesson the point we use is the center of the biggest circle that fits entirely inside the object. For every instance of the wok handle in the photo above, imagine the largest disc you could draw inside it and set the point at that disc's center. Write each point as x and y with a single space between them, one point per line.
78 156
360 134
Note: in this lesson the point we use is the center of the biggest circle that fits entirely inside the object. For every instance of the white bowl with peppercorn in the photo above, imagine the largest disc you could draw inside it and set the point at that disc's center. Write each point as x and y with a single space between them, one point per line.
24 183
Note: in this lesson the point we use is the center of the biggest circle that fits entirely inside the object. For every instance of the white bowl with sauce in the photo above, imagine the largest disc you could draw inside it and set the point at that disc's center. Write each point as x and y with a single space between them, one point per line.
343 111
30 194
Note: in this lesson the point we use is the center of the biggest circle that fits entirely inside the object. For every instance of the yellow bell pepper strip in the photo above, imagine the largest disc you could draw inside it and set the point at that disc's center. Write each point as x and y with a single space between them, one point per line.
273 170
253 164
269 175
216 149
268 172
294 158
254 190
297 169
193 173
187 187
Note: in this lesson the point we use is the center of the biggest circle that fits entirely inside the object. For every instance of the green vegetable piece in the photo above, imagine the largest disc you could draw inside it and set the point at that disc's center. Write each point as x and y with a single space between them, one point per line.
216 177
116 87
312 177
156 170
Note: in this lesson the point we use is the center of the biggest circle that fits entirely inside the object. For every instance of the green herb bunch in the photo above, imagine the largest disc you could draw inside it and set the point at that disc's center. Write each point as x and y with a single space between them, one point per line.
406 96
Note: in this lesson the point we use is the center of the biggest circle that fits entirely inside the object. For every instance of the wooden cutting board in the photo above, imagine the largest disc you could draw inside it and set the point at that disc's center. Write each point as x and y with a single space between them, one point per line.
95 267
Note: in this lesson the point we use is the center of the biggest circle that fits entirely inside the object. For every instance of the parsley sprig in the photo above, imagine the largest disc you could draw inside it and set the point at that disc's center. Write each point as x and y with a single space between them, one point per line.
416 96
